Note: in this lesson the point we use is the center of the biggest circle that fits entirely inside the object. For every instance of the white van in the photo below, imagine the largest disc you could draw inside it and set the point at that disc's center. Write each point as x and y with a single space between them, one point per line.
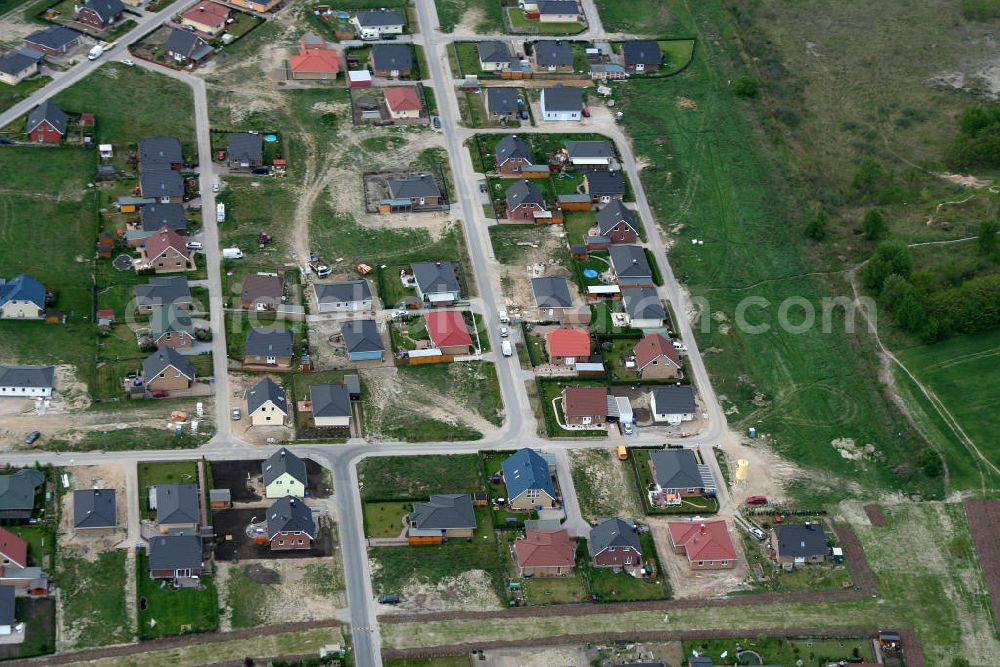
232 253
506 348
95 52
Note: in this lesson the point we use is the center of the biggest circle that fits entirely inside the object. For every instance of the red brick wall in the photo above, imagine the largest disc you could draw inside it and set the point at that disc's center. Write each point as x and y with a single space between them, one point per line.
512 167
45 133
617 557
290 542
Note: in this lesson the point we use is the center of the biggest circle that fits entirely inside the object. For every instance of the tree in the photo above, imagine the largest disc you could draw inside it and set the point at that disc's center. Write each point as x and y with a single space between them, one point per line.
746 86
869 173
873 225
890 257
988 237
909 312
815 228
930 463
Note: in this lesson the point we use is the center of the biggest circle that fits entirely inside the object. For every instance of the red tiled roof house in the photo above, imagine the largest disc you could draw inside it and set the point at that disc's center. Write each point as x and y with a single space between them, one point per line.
566 346
656 358
165 252
543 553
402 102
706 544
448 332
585 406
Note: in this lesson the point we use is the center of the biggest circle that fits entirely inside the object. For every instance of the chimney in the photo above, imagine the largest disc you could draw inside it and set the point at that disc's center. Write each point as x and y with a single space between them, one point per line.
702 531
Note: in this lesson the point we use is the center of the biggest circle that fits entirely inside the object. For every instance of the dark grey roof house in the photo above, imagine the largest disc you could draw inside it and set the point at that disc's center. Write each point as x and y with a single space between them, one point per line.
418 186
641 52
330 400
605 184
361 336
162 359
598 149
435 278
264 391
17 493
501 101
290 515
613 214
155 216
175 553
379 18
630 263
16 62
444 512
160 152
554 53
281 462
7 604
161 183
170 319
346 292
522 193
265 342
562 98
162 291
613 533
676 469
22 379
512 147
551 293
674 399
184 45
107 10
56 39
643 306
392 57
47 111
176 504
494 54
797 540
245 148
94 508
558 7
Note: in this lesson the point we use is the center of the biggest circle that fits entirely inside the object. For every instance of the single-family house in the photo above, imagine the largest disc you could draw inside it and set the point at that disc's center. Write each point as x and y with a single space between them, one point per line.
16 66
95 510
47 123
630 266
448 332
656 358
331 405
7 606
618 223
391 60
373 24
558 11
614 543
544 553
100 13
362 340
403 102
167 369
163 185
165 251
27 381
22 298
245 150
524 201
267 404
320 64
604 186
799 543
642 55
706 544
17 493
343 297
436 282
606 71
419 189
495 56
160 292
502 102
678 473
673 404
56 40
284 474
594 154
562 103
208 18
172 327
553 56
158 153
528 480
258 6
262 291
269 347
175 557
441 517
186 47
13 550
290 525
153 217
177 507
585 406
552 294
511 155
643 307
565 346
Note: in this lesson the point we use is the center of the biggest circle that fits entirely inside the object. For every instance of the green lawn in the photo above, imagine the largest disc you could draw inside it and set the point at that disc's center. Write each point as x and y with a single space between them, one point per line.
640 17
129 439
451 12
254 205
93 607
467 57
555 590
41 541
11 95
577 224
689 504
243 596
677 54
385 519
522 24
151 474
417 477
177 612
548 390
39 618
786 651
449 661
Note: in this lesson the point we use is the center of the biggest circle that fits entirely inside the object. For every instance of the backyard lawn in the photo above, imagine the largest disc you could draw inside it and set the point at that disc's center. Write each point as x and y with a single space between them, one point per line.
641 17
547 392
94 606
555 590
689 504
176 612
151 474
385 519
41 542
384 478
451 13
786 651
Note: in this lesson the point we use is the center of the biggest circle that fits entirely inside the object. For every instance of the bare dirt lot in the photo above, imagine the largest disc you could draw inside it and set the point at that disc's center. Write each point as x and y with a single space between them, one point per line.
80 544
469 591
239 384
232 523
536 657
604 485
688 583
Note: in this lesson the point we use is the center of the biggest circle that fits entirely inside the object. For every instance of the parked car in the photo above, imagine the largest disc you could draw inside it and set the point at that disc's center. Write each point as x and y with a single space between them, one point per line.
128 62
757 500
32 437
437 123
322 271
389 599
504 332
627 428
313 257
398 313
216 185
193 245
757 532
5 140
236 414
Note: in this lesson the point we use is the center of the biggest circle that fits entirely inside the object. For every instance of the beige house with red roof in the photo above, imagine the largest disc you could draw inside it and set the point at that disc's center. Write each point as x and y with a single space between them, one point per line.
165 252
544 553
585 406
656 358
706 544
567 346
315 62
448 332
402 102
208 18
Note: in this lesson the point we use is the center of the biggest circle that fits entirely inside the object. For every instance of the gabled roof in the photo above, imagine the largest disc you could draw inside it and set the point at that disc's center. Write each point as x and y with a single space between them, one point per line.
94 508
264 391
444 512
55 37
435 277
17 491
605 183
361 336
418 185
501 100
207 13
330 400
402 98
245 147
676 469
157 152
13 548
23 287
177 503
377 18
107 10
160 291
615 213
585 401
642 51
525 470
447 327
613 533
392 56
589 149
629 261
159 182
16 62
675 400
558 53
558 7
551 292
545 548
654 346
290 515
800 540
155 216
703 540
162 239
175 552
643 303
512 147
316 60
568 342
494 51
262 287
281 462
47 111
562 98
265 342
187 44
35 377
162 359
7 605
346 291
524 193
170 319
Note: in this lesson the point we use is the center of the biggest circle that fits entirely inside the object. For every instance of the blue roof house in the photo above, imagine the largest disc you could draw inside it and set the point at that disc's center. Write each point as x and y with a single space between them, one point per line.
529 483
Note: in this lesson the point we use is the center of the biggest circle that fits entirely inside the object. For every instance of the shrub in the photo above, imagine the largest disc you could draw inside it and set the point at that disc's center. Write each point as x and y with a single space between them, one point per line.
873 225
868 175
890 257
980 10
988 237
746 86
815 228
977 143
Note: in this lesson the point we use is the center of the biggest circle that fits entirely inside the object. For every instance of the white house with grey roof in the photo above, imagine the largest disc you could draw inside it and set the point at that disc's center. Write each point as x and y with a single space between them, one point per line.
494 56
444 515
284 474
593 154
678 473
558 11
643 307
372 24
267 403
436 282
673 404
177 506
630 265
27 381
331 405
562 103
344 296
553 55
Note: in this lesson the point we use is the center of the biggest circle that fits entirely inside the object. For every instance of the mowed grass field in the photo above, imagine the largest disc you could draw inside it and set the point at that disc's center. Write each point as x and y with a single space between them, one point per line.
963 373
639 17
710 171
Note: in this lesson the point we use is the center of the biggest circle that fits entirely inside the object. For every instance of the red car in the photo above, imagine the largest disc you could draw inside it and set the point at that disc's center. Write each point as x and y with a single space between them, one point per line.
757 500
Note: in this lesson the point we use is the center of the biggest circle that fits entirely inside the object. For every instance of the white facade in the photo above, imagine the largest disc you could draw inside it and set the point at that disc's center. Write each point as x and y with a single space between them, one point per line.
21 309
332 421
285 485
668 417
25 392
268 414
344 306
554 115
